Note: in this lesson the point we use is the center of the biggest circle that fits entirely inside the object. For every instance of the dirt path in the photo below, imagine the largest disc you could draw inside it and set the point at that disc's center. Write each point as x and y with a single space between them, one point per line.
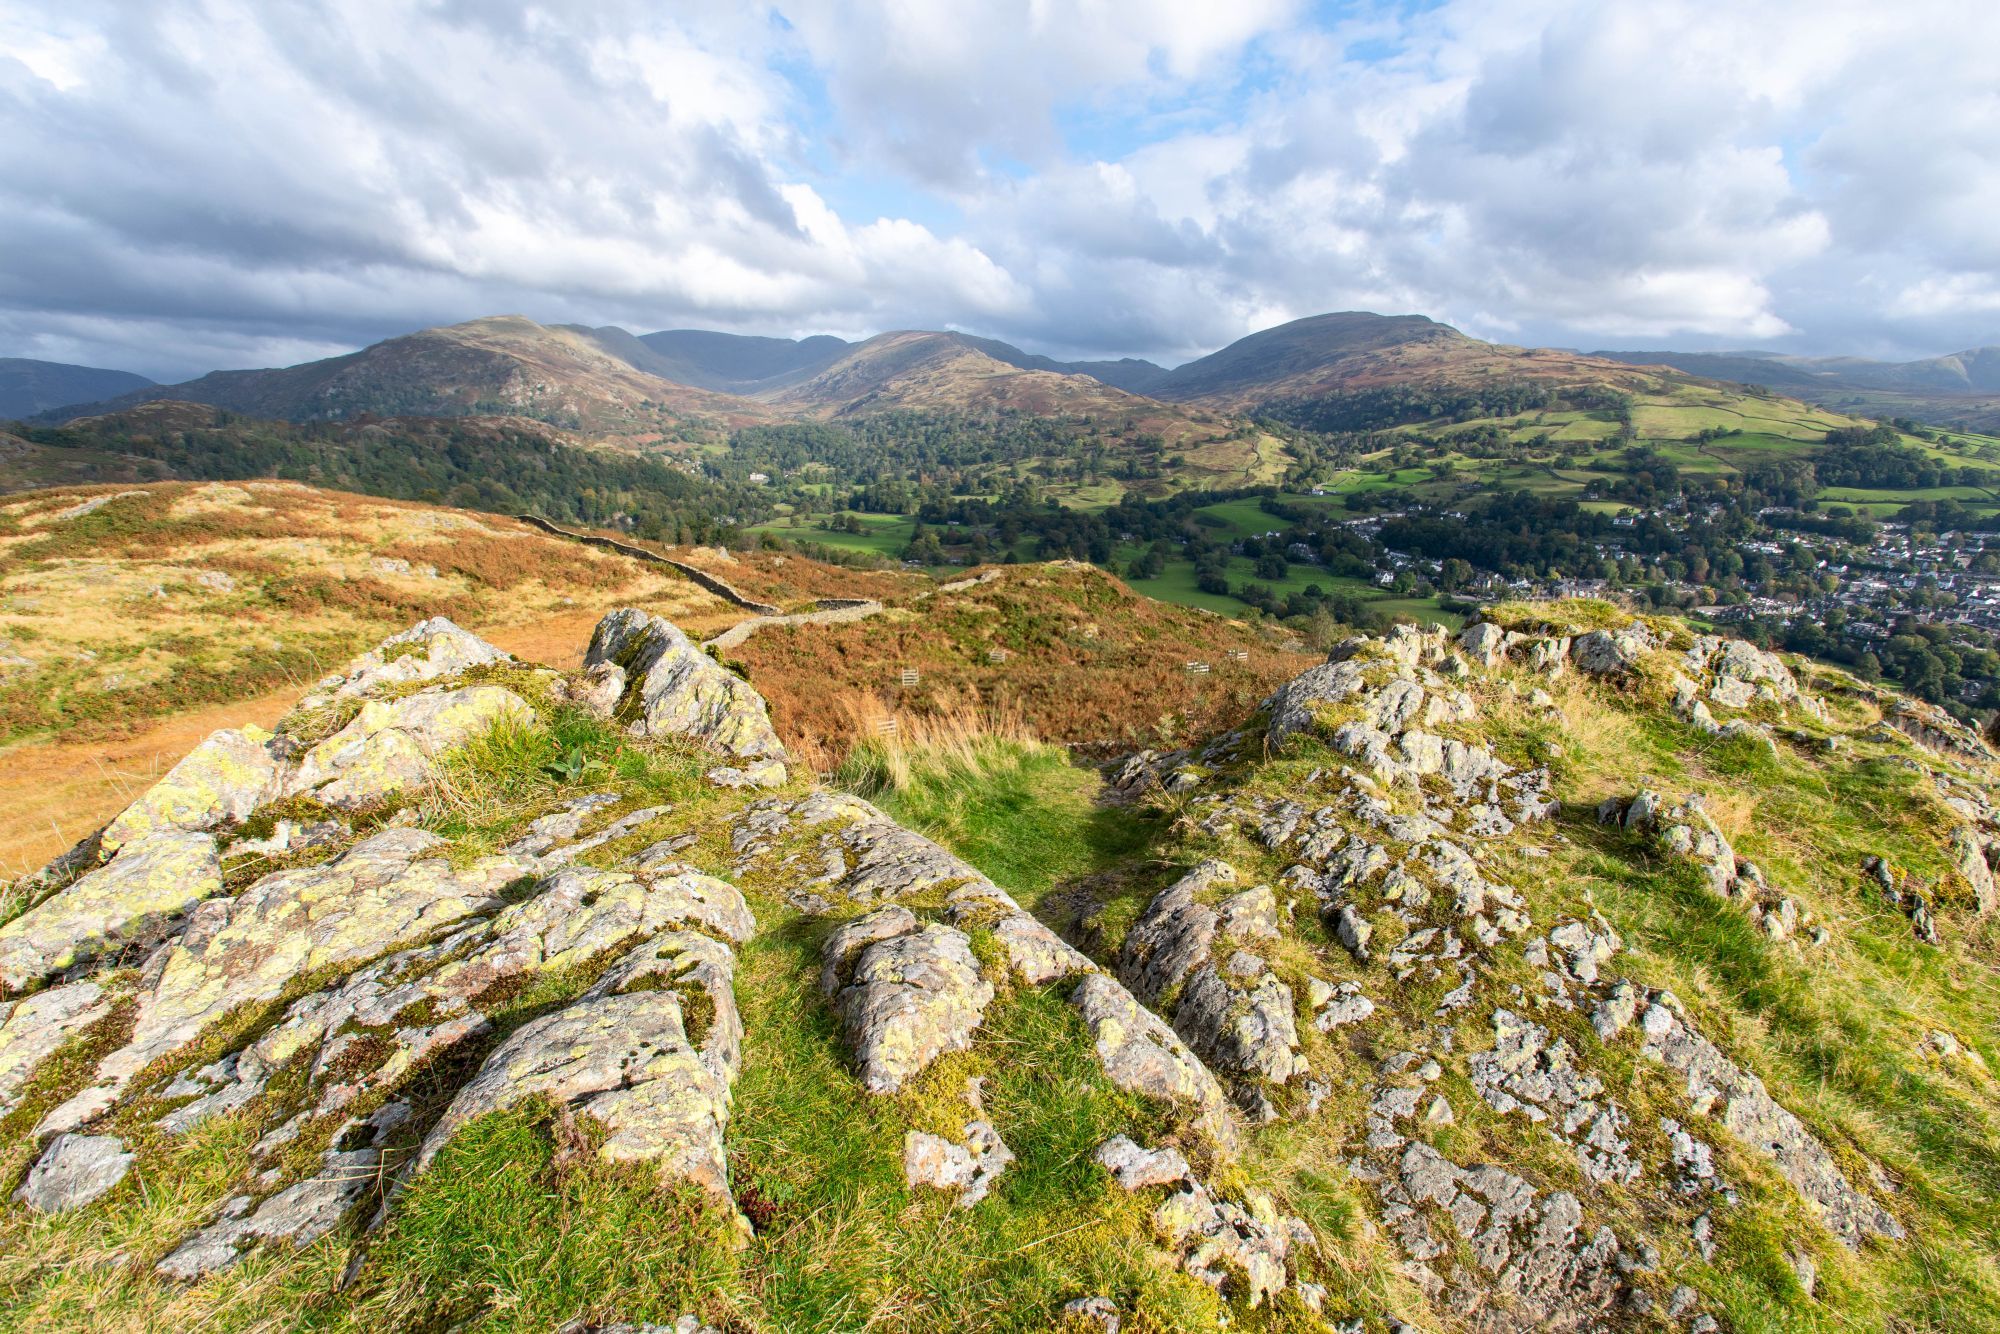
54 792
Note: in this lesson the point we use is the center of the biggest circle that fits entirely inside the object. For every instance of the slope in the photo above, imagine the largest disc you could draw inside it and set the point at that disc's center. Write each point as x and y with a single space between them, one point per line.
1576 973
28 387
1961 389
502 365
1327 354
946 372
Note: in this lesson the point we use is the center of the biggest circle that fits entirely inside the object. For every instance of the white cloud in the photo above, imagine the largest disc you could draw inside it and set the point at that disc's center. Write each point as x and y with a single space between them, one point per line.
200 182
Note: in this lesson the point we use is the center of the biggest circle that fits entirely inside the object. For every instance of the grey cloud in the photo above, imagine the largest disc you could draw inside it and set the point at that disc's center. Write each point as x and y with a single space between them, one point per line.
235 183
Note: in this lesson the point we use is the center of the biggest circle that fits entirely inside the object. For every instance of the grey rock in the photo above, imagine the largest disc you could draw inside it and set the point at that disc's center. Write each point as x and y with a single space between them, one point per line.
1100 1311
381 894
912 998
1246 1031
1755 1118
73 1171
674 689
1137 1168
299 1215
1353 931
1175 933
31 1030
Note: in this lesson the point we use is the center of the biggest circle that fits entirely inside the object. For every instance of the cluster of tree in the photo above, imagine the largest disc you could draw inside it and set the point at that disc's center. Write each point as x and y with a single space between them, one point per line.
1876 457
893 460
499 468
1930 660
1394 405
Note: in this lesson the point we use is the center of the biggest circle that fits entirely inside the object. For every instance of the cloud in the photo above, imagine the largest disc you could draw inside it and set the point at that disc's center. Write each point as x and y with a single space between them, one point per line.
196 183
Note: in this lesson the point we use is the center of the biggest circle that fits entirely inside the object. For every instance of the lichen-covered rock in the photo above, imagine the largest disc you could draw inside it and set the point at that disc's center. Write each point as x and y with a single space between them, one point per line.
151 881
73 1171
428 651
1036 954
414 1004
1934 729
381 895
221 781
970 1168
1141 1054
394 745
911 997
1717 1086
626 1059
32 1029
672 688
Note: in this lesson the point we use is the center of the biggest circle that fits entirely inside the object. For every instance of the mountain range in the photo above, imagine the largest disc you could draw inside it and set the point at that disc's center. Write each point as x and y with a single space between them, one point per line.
687 384
692 386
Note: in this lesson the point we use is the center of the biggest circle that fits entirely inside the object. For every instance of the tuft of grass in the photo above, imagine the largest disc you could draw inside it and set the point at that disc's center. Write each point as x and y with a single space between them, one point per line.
1019 809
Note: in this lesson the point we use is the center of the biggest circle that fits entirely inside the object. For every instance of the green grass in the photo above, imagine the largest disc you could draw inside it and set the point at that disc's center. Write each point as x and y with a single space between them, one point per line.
881 535
1018 810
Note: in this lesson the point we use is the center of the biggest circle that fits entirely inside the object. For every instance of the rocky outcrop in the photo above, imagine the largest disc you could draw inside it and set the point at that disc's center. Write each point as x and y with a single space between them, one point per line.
428 651
1718 1087
910 994
393 746
149 884
383 893
672 688
627 1057
1232 1010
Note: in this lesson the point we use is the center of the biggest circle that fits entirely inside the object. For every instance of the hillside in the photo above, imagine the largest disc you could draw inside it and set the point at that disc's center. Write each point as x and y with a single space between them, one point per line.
950 373
1960 390
1355 350
124 607
1065 650
1575 973
504 465
28 387
505 365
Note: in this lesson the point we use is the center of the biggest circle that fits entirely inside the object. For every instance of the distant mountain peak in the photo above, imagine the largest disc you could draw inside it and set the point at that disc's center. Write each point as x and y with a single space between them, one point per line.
29 387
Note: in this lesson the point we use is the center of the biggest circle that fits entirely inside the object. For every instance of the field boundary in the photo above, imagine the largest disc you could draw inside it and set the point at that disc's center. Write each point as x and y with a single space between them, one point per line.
699 576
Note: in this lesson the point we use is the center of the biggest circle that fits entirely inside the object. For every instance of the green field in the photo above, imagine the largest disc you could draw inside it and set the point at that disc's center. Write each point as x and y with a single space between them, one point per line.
881 535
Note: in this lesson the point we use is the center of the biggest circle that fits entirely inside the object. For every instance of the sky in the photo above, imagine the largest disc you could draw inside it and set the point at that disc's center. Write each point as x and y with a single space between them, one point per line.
187 185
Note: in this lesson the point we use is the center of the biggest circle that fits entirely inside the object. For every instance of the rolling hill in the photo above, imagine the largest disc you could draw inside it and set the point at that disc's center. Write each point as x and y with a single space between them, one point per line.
504 365
28 387
1350 350
1961 389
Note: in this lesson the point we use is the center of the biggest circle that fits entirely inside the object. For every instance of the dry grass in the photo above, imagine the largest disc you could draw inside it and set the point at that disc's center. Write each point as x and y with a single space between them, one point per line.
1084 661
176 596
